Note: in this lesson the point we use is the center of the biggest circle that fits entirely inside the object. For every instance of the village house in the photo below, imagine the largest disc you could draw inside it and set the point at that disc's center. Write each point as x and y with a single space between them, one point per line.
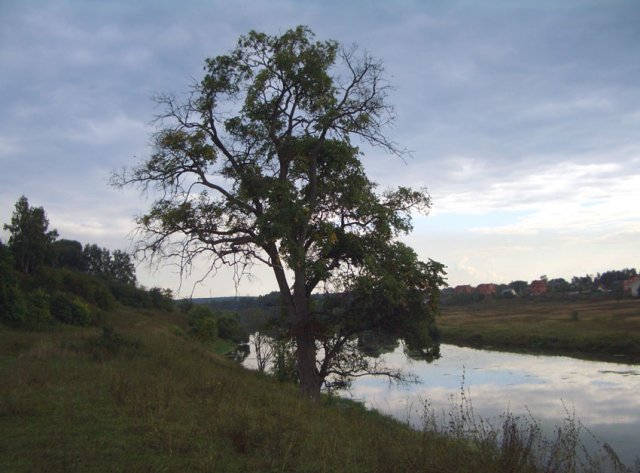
464 289
632 286
486 289
538 287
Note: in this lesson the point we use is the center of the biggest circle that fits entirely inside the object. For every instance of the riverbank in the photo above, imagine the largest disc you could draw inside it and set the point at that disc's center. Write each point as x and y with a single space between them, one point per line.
141 396
606 330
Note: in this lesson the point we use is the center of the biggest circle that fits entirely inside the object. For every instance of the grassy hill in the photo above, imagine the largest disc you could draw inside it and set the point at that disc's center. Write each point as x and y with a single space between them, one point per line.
141 396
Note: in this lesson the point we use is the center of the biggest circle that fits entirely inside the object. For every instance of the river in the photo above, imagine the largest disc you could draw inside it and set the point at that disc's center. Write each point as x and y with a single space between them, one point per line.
604 397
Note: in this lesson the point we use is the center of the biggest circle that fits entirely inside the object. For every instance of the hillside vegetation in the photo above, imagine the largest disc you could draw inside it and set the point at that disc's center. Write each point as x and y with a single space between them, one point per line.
139 395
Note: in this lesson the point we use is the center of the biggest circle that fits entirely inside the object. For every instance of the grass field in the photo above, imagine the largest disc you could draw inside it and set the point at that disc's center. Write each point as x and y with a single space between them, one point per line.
141 397
596 328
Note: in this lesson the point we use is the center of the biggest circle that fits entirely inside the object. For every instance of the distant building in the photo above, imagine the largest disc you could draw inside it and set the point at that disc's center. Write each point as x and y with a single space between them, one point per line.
508 293
538 287
632 286
486 289
464 289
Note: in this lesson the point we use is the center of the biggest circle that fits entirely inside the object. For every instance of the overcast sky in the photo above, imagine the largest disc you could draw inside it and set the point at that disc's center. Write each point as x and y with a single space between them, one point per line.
523 118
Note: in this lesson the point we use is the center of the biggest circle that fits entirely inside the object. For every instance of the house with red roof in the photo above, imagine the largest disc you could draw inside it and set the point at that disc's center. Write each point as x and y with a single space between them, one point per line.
632 286
538 287
486 289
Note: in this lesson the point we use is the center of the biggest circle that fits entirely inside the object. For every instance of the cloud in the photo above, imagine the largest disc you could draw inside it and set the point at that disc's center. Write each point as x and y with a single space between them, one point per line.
101 131
522 122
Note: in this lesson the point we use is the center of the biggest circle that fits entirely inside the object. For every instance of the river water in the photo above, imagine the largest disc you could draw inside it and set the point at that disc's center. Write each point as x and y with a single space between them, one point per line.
604 397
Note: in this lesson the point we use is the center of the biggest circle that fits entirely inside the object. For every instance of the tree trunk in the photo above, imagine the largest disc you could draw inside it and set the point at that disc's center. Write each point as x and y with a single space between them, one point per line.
303 332
310 381
296 305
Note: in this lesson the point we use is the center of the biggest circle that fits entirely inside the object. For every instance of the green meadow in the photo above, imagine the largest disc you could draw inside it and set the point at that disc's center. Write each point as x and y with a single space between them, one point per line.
138 395
592 328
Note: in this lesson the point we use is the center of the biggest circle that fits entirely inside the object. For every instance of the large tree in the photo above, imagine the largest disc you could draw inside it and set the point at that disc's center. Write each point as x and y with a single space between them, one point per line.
30 239
257 164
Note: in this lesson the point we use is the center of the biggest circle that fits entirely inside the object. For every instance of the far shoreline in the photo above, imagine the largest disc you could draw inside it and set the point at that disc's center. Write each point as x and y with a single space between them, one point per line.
597 329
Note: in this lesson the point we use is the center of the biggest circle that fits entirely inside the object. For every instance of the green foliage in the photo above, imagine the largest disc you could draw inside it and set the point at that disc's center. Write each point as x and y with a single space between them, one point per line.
132 296
60 280
230 329
30 241
68 254
69 310
582 283
161 298
558 285
39 308
91 289
203 323
608 279
185 305
12 304
284 360
117 266
280 182
519 286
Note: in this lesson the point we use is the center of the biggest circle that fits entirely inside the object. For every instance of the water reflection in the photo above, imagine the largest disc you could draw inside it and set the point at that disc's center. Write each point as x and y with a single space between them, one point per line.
604 396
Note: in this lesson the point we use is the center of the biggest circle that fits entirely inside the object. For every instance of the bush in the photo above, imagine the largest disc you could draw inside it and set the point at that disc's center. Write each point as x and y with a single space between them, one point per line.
13 307
109 345
229 329
203 323
69 310
132 296
90 288
38 308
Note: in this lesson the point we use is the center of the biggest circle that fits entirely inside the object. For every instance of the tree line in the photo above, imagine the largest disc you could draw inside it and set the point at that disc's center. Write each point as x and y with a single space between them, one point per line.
609 283
44 279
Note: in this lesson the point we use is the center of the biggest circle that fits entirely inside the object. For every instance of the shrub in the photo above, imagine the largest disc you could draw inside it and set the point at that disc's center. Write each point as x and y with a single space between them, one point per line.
13 307
110 344
229 329
88 287
69 310
203 323
38 307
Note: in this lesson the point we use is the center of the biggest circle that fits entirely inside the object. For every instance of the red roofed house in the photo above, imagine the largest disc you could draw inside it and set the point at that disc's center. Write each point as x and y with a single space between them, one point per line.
486 289
538 287
465 289
632 286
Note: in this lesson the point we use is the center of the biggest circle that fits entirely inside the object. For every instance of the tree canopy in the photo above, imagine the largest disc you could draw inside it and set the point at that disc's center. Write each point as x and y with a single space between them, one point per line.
258 164
31 240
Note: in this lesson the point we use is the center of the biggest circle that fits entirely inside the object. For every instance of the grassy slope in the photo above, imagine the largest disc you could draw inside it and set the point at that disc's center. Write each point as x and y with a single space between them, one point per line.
148 399
601 329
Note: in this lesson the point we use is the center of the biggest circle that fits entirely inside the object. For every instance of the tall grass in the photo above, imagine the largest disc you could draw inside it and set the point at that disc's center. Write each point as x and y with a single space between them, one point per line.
518 442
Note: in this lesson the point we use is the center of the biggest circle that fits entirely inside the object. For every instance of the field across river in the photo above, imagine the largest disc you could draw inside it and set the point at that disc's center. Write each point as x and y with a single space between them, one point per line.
591 328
